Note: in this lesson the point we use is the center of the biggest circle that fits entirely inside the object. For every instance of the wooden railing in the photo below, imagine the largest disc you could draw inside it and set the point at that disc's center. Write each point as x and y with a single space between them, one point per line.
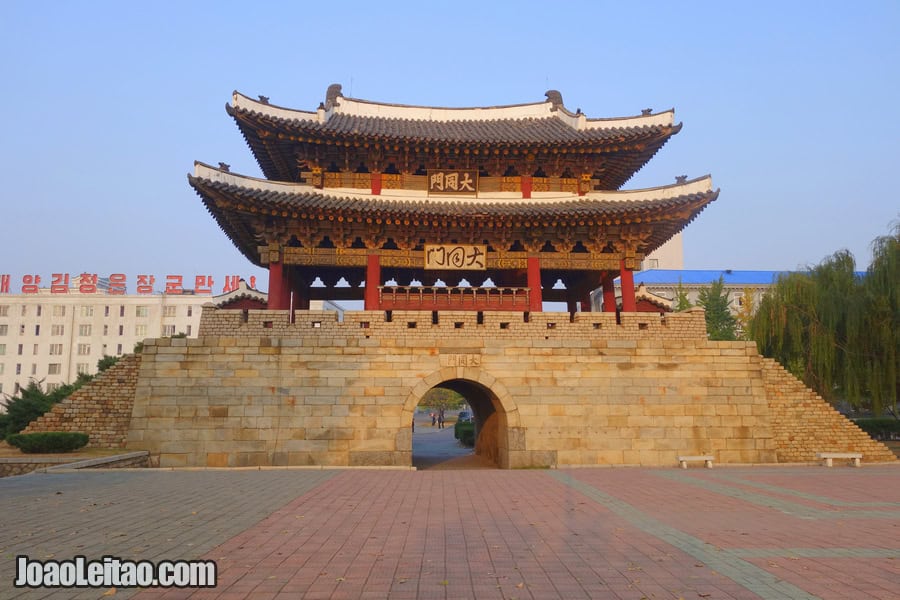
452 298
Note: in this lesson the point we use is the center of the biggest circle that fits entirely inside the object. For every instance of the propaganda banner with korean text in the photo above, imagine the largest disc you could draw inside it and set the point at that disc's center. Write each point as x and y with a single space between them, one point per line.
455 257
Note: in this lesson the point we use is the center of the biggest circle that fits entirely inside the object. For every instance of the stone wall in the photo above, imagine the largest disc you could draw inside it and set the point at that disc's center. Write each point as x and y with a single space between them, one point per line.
585 391
258 389
823 428
101 408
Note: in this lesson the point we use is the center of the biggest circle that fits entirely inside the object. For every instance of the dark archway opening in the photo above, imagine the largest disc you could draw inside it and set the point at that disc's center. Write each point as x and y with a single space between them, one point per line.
434 447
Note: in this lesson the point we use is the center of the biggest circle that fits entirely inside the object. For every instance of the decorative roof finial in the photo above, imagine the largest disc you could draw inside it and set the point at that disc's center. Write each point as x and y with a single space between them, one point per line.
681 179
555 98
225 167
647 111
264 99
332 94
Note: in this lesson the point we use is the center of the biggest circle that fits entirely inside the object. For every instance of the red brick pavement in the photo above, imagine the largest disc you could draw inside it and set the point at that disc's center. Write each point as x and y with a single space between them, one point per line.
581 533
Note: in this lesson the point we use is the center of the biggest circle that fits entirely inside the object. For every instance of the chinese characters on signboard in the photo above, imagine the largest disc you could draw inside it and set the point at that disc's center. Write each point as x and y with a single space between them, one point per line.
453 181
455 257
116 283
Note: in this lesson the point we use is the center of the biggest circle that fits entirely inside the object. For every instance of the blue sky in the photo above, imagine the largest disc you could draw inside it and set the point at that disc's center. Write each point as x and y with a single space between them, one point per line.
789 105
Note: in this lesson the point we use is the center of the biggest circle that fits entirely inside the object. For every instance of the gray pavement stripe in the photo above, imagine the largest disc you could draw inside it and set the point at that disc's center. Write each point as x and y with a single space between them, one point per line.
789 492
748 575
785 506
815 553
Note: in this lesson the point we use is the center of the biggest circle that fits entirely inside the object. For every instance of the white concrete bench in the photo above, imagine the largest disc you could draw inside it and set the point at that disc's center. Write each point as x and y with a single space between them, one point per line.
707 460
853 457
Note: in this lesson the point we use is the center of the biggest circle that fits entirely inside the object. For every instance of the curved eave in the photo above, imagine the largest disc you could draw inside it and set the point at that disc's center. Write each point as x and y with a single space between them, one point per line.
270 132
239 203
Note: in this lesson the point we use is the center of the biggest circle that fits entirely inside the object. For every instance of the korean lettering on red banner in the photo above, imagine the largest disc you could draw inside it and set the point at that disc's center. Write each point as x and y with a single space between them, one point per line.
203 284
87 283
30 284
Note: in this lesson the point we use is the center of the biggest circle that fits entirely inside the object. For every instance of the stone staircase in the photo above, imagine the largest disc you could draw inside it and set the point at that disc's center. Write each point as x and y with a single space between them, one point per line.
803 423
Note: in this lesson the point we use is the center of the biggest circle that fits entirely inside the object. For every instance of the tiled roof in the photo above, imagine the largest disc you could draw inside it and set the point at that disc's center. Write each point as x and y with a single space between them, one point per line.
236 203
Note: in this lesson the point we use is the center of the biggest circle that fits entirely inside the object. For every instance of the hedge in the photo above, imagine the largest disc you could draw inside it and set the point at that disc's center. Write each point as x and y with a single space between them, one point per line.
47 442
465 433
880 428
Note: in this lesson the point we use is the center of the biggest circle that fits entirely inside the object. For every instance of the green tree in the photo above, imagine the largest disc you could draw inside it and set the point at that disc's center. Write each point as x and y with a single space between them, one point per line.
720 323
745 312
838 332
32 401
682 302
438 398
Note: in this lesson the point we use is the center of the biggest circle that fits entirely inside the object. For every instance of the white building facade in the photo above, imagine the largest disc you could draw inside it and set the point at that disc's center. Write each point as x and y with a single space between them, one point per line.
51 338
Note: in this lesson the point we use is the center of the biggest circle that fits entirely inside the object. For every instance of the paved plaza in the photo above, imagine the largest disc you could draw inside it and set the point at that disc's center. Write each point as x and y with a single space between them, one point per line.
629 533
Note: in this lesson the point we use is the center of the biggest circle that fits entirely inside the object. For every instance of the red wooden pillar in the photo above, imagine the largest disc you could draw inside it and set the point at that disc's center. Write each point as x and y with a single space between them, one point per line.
526 186
609 294
536 299
376 183
373 280
628 301
278 287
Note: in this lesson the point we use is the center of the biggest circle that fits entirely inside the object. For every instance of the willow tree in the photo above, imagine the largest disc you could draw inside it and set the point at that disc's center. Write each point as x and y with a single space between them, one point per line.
837 331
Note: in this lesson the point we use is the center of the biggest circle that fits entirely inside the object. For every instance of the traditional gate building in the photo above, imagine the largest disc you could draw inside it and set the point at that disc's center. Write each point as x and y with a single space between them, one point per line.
526 197
395 206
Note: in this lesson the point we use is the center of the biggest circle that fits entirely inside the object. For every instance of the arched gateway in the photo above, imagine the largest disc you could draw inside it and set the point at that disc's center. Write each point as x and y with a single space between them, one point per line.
394 206
495 414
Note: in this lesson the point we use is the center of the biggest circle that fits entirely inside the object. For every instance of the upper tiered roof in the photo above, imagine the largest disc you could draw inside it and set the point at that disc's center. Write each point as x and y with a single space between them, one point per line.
284 141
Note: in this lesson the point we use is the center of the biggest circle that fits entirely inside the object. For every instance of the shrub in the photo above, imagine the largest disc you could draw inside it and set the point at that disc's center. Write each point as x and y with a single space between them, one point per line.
49 441
465 433
881 428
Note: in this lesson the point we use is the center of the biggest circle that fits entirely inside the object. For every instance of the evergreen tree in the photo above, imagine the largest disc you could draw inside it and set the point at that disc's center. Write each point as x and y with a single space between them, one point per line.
681 298
720 323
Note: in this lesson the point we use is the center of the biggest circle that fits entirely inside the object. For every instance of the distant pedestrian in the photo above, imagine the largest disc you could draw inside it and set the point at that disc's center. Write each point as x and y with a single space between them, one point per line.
433 419
441 419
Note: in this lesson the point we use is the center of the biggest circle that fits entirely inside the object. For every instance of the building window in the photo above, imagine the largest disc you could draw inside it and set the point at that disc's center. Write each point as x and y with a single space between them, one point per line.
168 330
56 349
169 311
37 330
4 311
19 352
105 311
103 350
84 330
140 311
38 310
35 350
121 330
24 310
140 331
57 329
53 386
4 329
2 349
83 368
122 310
59 311
18 368
54 369
84 349
34 369
87 311
2 368
188 330
118 349
190 311
106 330
21 329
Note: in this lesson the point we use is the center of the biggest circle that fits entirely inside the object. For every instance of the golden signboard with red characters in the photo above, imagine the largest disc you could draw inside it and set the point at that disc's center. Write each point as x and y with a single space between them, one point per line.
455 257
